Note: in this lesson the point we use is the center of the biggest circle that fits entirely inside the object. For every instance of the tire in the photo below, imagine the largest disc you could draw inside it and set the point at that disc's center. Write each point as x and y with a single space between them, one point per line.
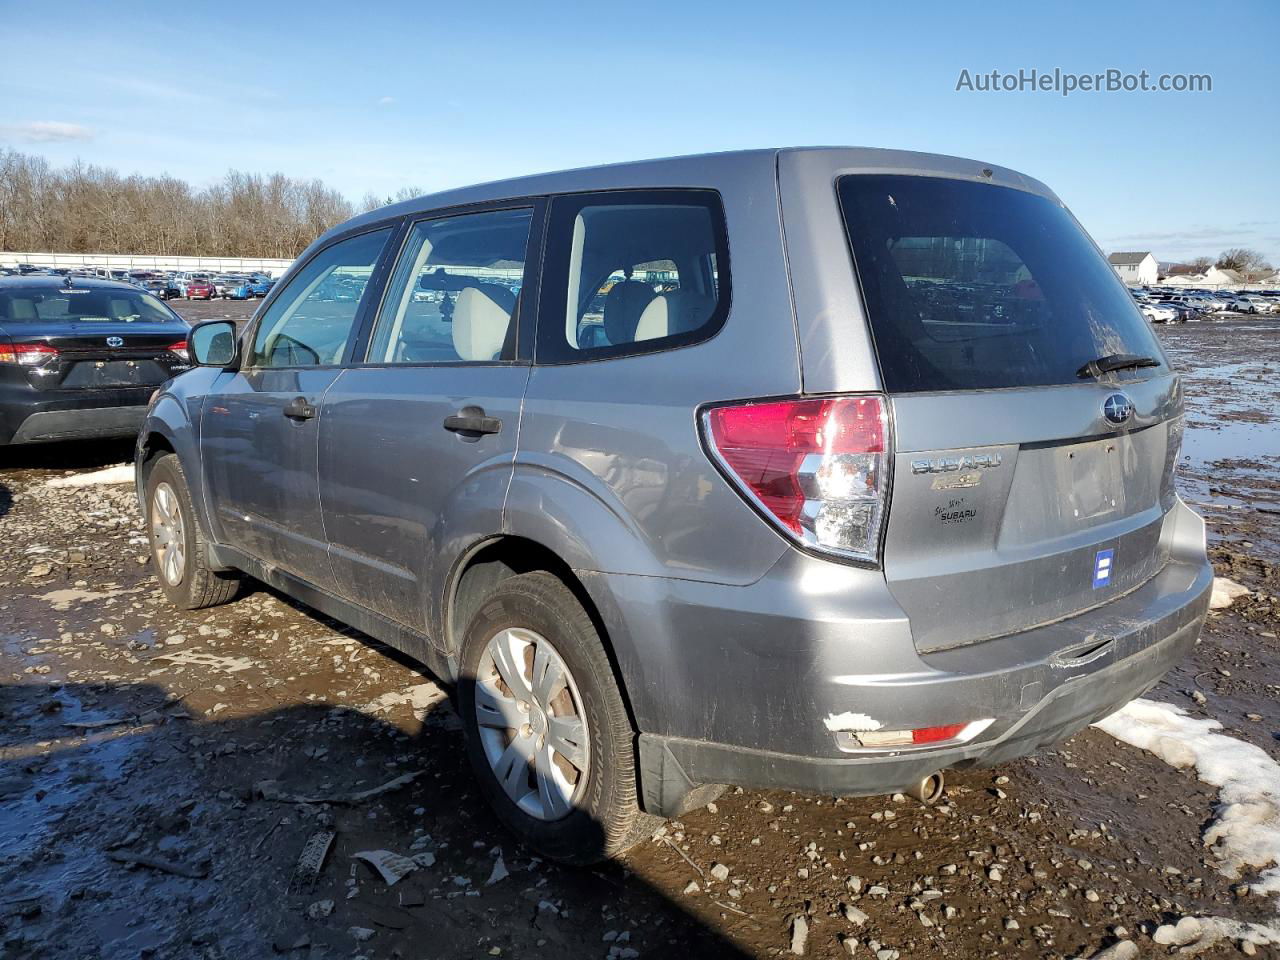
603 817
183 575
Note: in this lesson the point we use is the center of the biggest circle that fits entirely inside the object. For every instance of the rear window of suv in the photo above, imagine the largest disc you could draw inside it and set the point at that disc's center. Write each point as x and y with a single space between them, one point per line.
974 286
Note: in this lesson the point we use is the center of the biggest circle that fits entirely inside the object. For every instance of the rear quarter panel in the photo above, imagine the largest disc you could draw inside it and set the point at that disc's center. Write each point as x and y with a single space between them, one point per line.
610 472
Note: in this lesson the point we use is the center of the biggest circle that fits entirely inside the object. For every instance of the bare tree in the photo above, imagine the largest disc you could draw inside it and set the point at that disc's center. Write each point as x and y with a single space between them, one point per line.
1243 260
89 209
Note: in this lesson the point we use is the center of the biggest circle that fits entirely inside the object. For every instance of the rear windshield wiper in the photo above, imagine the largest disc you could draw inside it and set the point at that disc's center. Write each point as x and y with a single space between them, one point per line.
1115 361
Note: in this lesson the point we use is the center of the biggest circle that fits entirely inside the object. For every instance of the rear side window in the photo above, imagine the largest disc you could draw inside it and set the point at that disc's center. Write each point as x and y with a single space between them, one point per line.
455 291
973 286
632 272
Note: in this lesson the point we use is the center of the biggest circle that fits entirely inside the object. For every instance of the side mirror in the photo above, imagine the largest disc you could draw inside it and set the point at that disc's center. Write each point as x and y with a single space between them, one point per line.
213 343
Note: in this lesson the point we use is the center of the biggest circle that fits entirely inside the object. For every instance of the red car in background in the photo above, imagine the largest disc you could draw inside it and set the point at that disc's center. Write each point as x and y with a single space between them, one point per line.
201 289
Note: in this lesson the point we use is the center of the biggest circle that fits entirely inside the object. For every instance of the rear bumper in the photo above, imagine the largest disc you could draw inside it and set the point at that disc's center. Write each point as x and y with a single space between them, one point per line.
673 766
98 413
773 697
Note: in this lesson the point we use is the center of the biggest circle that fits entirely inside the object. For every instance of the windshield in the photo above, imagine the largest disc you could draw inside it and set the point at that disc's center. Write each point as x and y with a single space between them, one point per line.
32 305
973 286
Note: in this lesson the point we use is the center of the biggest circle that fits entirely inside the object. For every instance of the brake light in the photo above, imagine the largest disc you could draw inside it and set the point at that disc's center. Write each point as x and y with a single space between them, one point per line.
179 348
819 467
27 354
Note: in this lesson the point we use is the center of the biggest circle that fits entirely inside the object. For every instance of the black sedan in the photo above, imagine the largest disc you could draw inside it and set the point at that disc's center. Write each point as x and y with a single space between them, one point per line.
80 357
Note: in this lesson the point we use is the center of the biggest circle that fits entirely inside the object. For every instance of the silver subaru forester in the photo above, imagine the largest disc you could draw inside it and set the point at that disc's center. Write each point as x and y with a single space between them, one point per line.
818 469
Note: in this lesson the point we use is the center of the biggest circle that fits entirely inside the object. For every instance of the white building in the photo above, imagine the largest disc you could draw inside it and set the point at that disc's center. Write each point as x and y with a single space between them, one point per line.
1135 269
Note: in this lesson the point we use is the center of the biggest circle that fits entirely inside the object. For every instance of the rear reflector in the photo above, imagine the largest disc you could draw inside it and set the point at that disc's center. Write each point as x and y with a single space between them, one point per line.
951 733
818 467
28 354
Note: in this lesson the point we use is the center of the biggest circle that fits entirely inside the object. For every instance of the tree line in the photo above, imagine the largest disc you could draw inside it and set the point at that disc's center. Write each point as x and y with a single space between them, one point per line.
84 208
1249 263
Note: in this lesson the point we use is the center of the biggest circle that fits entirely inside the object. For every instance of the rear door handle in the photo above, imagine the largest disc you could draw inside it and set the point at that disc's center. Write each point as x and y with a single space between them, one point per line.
472 423
299 409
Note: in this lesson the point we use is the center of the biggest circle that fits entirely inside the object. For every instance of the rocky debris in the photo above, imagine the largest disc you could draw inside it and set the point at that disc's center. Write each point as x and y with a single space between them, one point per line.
390 866
197 872
720 872
271 790
1121 950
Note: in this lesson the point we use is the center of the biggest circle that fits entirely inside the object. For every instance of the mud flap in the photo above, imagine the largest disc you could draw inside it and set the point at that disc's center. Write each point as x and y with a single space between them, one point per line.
665 789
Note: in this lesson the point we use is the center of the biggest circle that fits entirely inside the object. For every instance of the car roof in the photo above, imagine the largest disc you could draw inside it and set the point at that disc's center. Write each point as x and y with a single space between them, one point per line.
58 282
710 170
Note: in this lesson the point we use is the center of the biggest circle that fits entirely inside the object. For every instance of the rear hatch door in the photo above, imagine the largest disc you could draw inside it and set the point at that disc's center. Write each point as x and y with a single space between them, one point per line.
1036 419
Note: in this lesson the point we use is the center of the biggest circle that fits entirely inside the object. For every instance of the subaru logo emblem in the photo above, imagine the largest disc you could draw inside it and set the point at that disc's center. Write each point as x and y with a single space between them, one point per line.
1117 408
115 341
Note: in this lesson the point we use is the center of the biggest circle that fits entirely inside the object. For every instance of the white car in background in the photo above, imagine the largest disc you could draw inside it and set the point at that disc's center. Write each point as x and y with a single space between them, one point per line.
1159 312
1262 304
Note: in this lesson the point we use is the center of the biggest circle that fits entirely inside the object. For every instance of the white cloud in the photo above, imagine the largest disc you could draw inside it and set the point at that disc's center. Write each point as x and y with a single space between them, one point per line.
386 101
47 131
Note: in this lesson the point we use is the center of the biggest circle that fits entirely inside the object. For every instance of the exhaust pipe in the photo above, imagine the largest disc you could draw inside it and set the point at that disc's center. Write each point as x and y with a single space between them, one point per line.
929 789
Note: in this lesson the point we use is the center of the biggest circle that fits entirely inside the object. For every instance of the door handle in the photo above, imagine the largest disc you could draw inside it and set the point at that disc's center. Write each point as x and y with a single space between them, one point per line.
299 409
472 423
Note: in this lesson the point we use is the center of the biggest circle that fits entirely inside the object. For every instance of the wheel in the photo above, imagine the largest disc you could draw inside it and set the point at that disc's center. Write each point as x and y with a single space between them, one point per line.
177 543
547 731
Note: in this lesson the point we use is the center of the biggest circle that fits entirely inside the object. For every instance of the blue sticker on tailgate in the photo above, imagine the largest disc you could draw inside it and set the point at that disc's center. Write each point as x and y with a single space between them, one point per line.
1102 564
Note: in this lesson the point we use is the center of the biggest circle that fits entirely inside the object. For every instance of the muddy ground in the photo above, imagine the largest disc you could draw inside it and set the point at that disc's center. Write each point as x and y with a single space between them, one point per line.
150 764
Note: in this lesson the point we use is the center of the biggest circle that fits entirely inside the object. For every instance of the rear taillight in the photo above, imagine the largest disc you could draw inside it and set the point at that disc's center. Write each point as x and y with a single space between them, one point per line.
179 348
818 467
28 354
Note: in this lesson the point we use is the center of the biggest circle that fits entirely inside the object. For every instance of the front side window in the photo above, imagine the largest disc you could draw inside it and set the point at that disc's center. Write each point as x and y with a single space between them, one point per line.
972 286
633 272
453 296
312 320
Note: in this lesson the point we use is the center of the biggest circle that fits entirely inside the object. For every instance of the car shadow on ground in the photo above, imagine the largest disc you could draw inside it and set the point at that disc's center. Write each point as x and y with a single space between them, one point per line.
134 828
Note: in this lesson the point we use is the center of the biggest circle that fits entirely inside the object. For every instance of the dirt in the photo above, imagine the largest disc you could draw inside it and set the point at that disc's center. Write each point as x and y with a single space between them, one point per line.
147 757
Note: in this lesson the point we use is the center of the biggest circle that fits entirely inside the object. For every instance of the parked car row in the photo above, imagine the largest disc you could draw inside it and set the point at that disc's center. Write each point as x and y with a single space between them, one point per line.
1181 304
166 285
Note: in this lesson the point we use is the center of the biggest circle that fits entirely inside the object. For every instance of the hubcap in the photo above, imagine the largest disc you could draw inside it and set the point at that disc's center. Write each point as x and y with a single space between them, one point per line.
531 723
168 535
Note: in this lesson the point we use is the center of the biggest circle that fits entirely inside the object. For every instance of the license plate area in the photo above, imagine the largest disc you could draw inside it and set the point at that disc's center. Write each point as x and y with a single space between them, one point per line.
88 374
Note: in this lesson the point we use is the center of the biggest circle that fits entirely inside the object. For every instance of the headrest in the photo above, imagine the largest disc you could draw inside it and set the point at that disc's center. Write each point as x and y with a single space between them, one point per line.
479 325
622 309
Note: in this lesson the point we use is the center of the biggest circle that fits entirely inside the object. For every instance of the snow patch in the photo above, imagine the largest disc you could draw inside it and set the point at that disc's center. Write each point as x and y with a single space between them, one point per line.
63 599
851 722
198 658
1246 832
121 474
1225 592
418 697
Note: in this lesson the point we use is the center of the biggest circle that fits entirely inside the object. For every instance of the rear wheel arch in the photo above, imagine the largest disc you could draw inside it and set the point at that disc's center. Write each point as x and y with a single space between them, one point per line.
496 559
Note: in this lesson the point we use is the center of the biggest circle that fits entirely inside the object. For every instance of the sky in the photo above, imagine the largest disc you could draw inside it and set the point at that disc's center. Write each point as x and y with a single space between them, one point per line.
377 96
